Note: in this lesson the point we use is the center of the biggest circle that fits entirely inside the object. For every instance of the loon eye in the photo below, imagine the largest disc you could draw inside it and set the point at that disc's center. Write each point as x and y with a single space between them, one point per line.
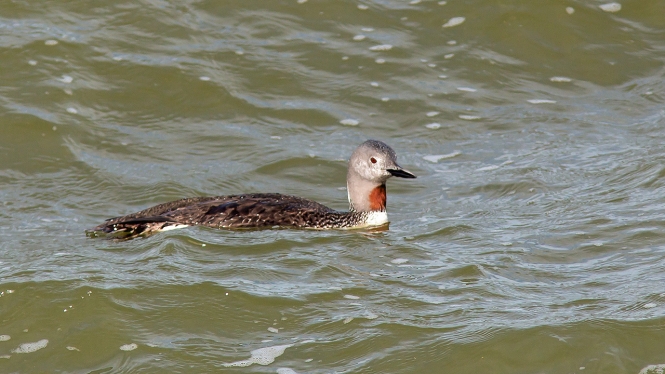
372 160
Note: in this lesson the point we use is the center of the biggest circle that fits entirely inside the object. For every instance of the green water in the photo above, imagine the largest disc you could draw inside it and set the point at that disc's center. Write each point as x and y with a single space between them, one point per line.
531 242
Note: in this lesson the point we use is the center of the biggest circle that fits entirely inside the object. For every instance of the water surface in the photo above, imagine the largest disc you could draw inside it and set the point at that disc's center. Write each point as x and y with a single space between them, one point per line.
532 241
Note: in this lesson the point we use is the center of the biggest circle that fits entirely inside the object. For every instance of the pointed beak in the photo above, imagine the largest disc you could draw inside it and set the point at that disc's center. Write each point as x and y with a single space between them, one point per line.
401 173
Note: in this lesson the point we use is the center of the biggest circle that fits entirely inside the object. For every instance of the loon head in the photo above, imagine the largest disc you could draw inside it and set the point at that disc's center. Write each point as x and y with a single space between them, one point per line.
370 166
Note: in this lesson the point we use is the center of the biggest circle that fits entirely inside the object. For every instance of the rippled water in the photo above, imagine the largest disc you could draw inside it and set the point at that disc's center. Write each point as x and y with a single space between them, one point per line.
532 241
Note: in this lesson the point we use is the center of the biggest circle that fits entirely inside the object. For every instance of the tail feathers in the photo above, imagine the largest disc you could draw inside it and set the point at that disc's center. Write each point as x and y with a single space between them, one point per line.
117 228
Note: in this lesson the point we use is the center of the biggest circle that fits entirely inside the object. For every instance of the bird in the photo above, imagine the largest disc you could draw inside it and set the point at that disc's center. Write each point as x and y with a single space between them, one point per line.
369 167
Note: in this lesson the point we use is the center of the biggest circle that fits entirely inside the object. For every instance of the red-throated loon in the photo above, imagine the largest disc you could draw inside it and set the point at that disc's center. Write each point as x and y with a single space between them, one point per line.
370 165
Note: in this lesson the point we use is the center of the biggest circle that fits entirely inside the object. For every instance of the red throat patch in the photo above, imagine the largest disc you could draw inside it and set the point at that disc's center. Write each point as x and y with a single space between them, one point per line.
377 198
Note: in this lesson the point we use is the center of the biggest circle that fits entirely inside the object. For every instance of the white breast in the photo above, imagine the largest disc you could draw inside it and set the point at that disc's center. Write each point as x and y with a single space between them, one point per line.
375 219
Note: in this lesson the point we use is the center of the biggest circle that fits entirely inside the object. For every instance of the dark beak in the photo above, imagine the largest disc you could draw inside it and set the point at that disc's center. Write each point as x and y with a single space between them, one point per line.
401 173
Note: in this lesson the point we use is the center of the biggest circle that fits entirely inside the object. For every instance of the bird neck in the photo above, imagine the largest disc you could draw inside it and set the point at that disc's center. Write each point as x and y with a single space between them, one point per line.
366 196
377 198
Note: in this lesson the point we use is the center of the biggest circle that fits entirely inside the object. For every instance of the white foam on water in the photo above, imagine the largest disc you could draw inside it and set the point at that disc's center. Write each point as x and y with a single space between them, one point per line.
443 76
286 371
442 2
380 61
4 338
66 79
370 315
433 126
610 7
374 84
436 158
431 65
488 168
449 56
261 356
204 78
363 7
451 42
128 347
650 305
381 47
273 330
400 261
347 320
359 37
31 347
351 297
414 2
541 101
367 29
32 62
385 99
653 369
72 110
51 42
70 348
432 114
466 89
349 122
560 79
455 21
302 1
468 117
433 158
570 10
